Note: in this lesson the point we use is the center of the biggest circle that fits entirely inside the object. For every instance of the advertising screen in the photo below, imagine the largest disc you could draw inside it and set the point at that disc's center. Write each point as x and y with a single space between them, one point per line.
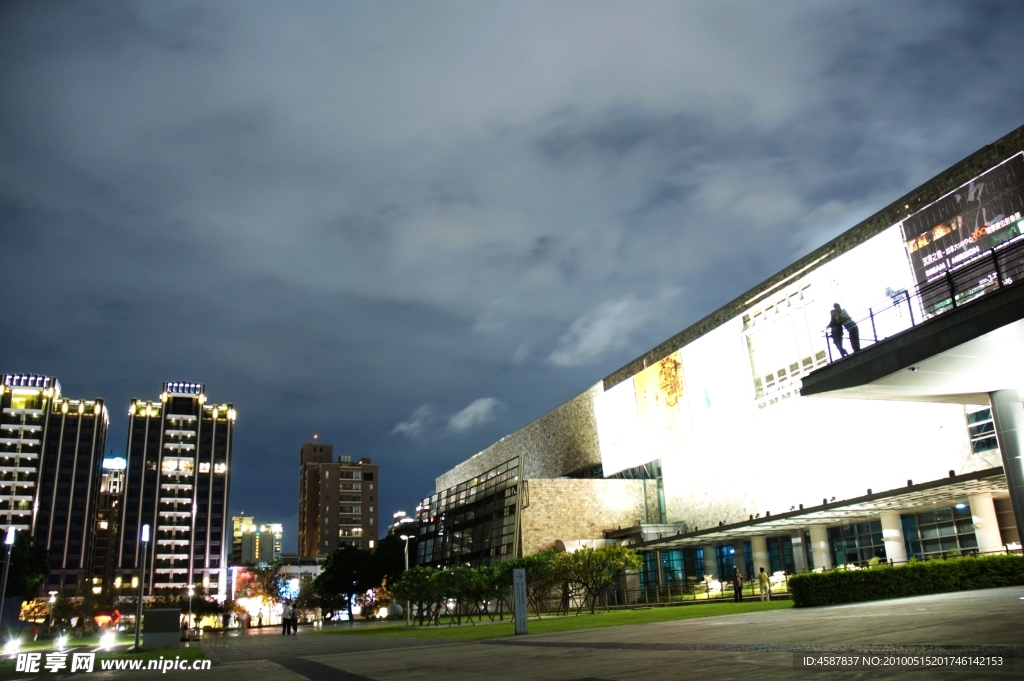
967 222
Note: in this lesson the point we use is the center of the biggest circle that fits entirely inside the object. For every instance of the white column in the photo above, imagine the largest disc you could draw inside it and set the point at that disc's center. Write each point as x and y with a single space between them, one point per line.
710 561
986 524
892 535
1008 418
741 557
819 547
799 551
759 551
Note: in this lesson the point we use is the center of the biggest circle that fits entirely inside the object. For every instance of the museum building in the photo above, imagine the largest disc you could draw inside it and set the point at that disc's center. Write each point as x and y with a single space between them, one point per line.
704 453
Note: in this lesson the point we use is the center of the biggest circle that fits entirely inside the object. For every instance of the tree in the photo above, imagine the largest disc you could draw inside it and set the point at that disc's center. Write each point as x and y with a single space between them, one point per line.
417 585
540 577
595 569
29 568
347 573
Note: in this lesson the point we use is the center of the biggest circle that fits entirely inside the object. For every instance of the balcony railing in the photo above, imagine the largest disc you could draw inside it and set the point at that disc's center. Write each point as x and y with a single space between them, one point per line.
999 268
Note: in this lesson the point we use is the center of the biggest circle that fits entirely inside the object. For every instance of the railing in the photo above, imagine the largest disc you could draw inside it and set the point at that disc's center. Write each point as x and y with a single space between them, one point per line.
998 268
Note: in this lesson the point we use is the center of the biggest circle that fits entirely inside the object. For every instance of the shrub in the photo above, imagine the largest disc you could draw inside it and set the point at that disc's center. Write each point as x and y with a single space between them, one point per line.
915 578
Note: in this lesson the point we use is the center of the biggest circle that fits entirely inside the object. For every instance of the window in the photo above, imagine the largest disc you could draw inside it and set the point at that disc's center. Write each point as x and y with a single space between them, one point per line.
857 543
204 467
940 533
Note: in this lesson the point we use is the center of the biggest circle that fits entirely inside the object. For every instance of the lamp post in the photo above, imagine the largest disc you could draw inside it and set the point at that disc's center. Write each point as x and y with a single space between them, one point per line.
53 599
191 590
142 581
9 544
408 603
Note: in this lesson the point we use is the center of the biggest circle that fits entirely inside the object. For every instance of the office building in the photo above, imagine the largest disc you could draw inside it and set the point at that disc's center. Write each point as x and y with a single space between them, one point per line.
51 447
704 453
255 545
108 522
337 501
240 525
178 478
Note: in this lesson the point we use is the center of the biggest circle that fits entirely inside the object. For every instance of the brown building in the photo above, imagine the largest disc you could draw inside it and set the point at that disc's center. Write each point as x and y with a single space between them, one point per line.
108 521
337 501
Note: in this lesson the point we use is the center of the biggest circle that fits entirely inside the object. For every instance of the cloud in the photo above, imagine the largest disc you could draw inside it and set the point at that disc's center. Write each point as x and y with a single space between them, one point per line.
478 412
607 328
416 425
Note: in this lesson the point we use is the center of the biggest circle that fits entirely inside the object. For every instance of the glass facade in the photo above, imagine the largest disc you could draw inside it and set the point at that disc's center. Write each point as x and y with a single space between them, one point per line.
982 430
940 533
780 555
857 543
473 523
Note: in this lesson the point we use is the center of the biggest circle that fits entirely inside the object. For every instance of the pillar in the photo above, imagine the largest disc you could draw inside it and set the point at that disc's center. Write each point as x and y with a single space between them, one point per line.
799 551
892 535
819 547
986 524
759 552
710 561
741 557
661 573
1008 418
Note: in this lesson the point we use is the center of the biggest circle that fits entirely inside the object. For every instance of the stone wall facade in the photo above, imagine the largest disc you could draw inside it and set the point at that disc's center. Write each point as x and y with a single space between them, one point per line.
560 442
570 509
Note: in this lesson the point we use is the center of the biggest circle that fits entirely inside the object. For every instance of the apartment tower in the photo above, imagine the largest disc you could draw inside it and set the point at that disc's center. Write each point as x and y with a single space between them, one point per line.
179 468
337 501
51 448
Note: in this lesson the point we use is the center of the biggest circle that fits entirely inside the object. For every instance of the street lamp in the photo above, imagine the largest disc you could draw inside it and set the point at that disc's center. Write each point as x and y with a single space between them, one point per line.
53 599
142 581
408 603
191 590
9 543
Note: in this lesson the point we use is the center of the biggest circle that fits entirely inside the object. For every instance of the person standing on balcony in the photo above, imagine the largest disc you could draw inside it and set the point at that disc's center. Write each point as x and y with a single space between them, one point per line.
849 325
835 326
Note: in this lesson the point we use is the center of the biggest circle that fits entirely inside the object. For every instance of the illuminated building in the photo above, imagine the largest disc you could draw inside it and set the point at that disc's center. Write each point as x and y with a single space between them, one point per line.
703 454
51 448
178 478
108 520
336 501
240 524
257 545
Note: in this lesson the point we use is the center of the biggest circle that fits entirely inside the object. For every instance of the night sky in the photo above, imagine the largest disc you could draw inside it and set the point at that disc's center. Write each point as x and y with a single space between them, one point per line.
415 227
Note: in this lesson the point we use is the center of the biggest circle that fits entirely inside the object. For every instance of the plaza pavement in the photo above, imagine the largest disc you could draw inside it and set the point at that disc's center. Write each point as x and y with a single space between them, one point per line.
758 645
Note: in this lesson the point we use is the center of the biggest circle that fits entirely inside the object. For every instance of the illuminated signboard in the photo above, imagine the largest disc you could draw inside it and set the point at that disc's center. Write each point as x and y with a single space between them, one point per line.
967 222
183 388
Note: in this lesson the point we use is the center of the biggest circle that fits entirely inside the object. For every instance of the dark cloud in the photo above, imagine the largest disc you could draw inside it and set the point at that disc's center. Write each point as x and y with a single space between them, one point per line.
345 218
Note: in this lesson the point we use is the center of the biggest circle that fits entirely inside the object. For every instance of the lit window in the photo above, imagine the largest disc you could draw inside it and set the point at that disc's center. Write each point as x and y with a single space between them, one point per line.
104 524
220 468
204 468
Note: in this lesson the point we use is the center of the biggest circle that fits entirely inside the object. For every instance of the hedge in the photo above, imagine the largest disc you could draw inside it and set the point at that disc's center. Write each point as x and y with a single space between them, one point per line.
915 578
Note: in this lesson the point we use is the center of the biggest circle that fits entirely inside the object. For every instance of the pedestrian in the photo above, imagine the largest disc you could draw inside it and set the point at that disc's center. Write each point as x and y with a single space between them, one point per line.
762 581
286 622
737 585
259 620
850 326
295 620
835 326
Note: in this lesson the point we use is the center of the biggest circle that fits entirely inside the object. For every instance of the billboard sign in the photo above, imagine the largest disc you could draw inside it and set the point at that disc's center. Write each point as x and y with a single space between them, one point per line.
967 222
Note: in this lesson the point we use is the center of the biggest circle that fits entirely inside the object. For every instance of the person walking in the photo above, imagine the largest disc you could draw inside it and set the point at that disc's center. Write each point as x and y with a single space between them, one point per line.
295 620
737 585
762 581
835 326
286 619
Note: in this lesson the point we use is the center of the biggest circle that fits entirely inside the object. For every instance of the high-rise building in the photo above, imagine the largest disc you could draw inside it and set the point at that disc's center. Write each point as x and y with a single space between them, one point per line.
337 501
179 471
240 525
262 546
108 521
253 544
51 448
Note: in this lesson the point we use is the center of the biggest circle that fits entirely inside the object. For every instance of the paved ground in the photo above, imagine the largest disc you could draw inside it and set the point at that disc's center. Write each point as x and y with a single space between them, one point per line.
760 645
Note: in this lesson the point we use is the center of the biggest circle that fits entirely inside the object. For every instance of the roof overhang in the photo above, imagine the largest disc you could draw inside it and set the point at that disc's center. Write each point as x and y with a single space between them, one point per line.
912 498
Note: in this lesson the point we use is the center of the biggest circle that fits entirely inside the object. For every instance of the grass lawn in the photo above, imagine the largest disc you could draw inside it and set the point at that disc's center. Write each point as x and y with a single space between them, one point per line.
570 623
